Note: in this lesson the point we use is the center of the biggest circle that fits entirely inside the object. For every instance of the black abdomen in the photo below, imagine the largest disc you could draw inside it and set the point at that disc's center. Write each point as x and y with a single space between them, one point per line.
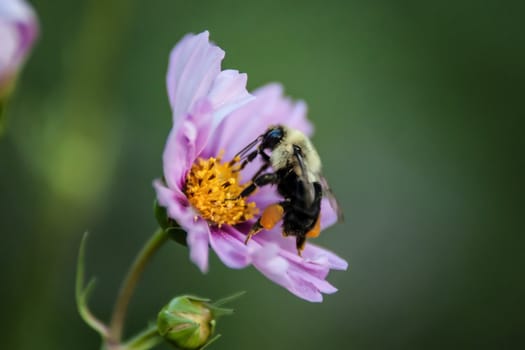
300 210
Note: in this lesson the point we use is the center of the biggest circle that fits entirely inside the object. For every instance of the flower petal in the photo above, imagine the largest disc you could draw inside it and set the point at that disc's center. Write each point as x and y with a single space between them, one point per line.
267 260
328 214
198 239
282 110
229 246
179 154
320 284
197 230
323 257
9 47
318 260
199 92
18 31
244 125
306 288
279 270
302 277
194 64
227 94
176 206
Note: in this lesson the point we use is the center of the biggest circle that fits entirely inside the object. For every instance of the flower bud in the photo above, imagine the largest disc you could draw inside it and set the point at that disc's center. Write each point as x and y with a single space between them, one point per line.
187 322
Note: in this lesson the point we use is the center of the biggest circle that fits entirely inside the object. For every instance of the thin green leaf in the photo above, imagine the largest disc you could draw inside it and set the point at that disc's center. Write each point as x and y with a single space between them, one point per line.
230 298
82 293
210 342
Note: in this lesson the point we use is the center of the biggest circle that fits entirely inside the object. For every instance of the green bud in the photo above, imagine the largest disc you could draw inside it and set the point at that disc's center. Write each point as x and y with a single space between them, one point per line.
188 322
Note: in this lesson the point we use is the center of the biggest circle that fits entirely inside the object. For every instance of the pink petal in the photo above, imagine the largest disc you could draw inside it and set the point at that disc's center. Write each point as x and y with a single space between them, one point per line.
279 270
229 246
198 239
295 276
317 259
269 107
228 93
323 257
320 284
267 260
179 154
305 289
197 230
177 206
194 64
168 197
297 119
9 48
328 214
18 31
282 110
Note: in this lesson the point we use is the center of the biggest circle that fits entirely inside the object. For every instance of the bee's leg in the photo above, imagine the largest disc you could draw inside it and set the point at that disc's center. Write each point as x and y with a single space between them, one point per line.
314 232
248 190
259 181
249 158
269 218
251 188
300 242
261 169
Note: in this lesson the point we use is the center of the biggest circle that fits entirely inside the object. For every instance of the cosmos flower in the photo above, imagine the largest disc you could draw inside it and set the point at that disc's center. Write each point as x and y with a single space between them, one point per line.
18 31
214 117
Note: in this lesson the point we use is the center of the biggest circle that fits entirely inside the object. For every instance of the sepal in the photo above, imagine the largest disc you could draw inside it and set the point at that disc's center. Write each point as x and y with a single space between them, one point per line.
170 226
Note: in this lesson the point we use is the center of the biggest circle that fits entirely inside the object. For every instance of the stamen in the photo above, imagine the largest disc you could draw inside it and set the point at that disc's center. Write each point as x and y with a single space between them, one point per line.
213 189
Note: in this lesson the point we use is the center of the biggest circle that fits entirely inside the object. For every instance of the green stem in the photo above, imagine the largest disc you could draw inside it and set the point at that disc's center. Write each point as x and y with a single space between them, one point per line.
128 285
146 339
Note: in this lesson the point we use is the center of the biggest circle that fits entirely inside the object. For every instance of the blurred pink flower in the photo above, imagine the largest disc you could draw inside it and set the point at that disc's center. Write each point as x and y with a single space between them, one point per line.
18 31
214 117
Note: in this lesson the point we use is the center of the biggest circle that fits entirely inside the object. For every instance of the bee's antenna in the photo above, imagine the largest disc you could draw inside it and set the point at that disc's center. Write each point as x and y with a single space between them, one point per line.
246 149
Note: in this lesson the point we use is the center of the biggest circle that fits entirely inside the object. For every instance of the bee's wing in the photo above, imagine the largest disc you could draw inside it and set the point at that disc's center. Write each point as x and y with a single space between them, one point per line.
327 191
309 189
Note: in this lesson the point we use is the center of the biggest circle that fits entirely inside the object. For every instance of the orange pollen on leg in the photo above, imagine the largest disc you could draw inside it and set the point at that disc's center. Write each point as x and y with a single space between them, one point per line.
213 189
271 216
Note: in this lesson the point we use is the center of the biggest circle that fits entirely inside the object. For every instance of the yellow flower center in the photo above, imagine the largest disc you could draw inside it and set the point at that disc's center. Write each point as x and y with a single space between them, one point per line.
213 189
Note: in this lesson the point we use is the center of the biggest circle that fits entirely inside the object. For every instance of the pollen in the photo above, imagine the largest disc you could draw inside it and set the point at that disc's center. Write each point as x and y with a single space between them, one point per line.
213 188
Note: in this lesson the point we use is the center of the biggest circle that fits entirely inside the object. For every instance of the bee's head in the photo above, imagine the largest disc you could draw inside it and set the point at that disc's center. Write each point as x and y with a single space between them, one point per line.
272 137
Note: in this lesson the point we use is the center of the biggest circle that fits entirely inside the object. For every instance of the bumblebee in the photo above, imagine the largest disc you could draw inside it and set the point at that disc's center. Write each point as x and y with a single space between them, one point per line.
296 171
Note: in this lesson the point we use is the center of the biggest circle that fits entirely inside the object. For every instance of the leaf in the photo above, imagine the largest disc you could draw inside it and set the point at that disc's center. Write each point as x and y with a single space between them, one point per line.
82 293
229 298
210 342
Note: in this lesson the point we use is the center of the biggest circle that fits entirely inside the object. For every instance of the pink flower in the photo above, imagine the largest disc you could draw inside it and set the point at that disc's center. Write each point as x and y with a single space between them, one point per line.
214 117
18 31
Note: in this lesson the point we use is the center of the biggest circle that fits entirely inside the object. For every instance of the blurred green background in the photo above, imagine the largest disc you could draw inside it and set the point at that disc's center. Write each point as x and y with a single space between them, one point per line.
416 105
